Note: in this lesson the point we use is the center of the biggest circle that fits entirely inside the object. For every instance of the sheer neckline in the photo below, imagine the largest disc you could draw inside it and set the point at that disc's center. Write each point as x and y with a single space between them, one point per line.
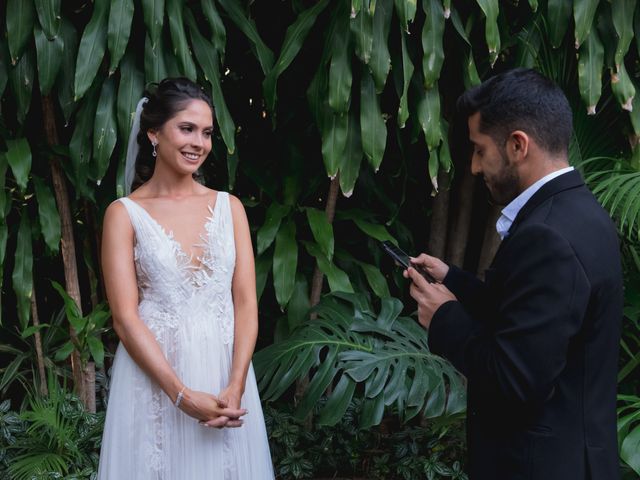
185 258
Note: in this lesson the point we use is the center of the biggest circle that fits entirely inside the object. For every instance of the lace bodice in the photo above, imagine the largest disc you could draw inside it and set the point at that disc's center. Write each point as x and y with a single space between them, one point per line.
171 288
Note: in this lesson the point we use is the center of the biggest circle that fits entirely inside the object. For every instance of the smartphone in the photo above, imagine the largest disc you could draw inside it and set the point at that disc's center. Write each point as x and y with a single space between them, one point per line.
402 259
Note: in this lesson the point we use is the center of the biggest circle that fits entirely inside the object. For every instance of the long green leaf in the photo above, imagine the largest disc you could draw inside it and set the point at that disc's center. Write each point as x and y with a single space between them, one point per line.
219 33
67 73
380 63
22 78
492 33
590 63
129 93
119 30
267 232
175 10
378 232
49 16
352 157
153 13
362 29
372 126
22 277
92 47
105 130
49 57
406 10
335 127
340 76
19 159
80 145
248 27
298 308
47 215
97 350
263 267
293 40
155 68
285 263
583 14
337 278
4 198
20 21
407 73
623 88
375 279
429 116
322 230
622 14
558 18
4 65
432 42
208 58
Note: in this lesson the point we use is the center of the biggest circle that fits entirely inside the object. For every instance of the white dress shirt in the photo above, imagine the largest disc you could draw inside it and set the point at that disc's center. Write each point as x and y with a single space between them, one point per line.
510 212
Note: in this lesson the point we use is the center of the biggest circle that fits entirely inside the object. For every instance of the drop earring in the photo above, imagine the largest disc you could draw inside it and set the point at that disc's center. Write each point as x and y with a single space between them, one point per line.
154 153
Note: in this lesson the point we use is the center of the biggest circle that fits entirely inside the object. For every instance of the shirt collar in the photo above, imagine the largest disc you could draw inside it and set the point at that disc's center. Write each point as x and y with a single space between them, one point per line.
510 212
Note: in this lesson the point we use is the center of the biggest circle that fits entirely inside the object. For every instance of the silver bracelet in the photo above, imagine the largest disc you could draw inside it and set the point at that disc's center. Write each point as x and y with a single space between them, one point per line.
179 398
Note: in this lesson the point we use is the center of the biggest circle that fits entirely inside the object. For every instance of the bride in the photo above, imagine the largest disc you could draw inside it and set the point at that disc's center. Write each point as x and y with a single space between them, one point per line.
179 274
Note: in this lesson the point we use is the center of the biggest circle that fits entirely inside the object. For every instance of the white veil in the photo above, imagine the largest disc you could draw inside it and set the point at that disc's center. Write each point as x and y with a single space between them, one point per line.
133 148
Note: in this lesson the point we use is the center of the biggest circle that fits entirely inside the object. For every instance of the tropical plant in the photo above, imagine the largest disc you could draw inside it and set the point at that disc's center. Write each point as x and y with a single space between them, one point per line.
57 437
347 344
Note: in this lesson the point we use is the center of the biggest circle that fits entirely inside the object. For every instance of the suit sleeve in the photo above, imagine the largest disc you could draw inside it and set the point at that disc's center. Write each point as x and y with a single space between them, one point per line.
515 349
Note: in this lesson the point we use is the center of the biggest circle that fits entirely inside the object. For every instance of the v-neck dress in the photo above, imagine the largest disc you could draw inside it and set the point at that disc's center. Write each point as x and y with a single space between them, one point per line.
189 309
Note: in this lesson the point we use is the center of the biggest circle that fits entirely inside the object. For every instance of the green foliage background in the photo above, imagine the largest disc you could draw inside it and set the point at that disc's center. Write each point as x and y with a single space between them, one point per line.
333 128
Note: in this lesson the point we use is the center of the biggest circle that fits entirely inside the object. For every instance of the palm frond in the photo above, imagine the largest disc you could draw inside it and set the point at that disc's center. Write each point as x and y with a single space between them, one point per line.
619 192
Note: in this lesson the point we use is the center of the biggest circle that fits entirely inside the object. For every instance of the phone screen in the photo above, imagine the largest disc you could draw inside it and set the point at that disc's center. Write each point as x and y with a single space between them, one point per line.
403 259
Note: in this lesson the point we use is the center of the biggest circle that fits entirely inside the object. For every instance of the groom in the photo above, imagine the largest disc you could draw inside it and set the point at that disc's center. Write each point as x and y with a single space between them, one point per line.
538 339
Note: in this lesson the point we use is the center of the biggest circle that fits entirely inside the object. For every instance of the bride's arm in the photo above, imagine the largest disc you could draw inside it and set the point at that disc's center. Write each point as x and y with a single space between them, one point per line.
122 291
245 306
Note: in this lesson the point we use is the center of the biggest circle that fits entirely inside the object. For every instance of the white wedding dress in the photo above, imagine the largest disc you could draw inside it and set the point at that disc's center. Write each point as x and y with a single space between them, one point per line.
189 309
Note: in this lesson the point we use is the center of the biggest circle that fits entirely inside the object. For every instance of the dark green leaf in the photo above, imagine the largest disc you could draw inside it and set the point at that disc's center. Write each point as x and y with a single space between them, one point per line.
432 42
379 232
322 230
298 307
338 402
92 47
558 18
154 64
340 76
267 233
219 33
64 352
21 16
248 27
97 350
49 57
285 262
335 127
23 270
64 85
47 214
375 279
153 12
293 40
22 78
105 130
208 58
19 158
49 16
119 30
175 9
71 307
351 158
263 267
362 29
337 278
129 93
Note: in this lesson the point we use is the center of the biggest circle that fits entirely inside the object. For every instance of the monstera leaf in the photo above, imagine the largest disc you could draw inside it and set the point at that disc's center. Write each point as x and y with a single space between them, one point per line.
350 345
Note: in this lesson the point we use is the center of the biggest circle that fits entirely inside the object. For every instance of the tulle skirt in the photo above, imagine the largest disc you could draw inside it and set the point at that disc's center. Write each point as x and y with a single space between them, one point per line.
147 438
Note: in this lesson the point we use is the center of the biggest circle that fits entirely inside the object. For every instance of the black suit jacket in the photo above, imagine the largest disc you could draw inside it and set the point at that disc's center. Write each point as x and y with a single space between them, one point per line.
538 342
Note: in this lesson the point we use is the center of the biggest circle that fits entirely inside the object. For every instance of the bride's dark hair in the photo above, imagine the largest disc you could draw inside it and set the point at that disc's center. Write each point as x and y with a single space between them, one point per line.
166 99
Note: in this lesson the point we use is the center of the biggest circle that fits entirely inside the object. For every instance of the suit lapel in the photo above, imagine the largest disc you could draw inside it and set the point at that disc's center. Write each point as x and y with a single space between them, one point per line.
559 184
566 181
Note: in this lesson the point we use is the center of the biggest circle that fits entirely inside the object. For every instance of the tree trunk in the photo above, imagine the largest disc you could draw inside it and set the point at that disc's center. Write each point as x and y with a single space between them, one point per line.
490 242
439 216
38 344
67 242
89 387
460 229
